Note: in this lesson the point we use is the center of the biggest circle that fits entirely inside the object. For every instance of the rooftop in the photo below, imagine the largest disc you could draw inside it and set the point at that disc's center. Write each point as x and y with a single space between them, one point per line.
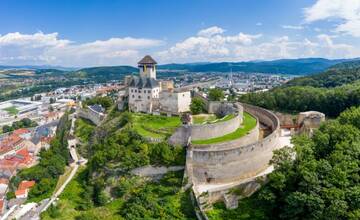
141 82
26 184
147 60
97 108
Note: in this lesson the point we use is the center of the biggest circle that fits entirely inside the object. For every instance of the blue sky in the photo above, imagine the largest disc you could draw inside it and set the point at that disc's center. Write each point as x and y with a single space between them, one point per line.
92 33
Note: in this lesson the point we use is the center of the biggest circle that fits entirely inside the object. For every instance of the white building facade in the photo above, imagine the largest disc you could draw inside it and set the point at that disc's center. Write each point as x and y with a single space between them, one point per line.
145 93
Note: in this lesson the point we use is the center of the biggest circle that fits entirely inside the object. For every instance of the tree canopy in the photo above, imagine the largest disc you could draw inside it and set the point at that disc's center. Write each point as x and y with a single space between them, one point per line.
323 181
216 94
197 106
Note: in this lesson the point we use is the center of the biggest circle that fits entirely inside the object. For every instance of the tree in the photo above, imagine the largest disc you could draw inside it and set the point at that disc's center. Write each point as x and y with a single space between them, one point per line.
197 106
216 94
52 100
321 180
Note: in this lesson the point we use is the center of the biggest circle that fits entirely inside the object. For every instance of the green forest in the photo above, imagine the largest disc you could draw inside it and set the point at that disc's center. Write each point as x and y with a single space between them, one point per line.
330 92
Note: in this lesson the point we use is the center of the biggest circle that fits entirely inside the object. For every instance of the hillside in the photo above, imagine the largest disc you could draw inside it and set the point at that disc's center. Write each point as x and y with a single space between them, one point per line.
105 73
337 75
285 66
108 188
330 92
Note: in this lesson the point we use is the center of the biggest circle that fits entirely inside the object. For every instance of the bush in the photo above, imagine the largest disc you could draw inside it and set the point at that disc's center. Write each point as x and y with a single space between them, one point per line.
216 94
197 106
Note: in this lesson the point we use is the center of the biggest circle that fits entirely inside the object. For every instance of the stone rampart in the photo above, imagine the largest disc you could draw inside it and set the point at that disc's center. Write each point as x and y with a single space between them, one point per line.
218 129
229 162
207 131
249 138
94 117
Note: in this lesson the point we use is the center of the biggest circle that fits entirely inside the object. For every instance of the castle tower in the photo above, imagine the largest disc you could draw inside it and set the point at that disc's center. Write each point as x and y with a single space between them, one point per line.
147 67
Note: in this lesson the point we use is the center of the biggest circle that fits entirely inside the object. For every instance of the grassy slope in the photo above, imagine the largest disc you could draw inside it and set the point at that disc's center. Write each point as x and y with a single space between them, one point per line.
248 124
210 118
155 126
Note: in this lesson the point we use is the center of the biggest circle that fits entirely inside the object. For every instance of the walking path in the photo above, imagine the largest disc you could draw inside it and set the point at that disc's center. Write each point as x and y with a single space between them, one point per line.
149 171
46 203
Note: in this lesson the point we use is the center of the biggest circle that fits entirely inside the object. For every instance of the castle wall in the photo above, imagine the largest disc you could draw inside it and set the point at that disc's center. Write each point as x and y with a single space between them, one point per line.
227 162
249 138
208 131
90 115
181 136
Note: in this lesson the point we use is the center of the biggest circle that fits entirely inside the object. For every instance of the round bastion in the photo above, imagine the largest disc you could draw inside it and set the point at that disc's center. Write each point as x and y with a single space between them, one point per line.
226 162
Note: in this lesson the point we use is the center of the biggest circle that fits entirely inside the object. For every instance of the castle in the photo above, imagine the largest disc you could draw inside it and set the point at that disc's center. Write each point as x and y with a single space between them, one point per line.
148 95
222 171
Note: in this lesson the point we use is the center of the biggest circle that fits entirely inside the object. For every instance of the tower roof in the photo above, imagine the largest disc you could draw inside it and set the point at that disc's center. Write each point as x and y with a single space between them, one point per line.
147 60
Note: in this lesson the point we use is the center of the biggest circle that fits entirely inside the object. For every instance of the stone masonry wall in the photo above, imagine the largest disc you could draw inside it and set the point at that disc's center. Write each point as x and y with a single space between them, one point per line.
208 131
226 164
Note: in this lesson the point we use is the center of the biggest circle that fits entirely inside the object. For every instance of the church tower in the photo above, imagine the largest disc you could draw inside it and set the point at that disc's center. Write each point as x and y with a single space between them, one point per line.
147 67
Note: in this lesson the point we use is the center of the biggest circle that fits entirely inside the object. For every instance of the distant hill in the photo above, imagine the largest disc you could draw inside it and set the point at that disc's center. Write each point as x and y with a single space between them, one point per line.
336 75
35 67
103 74
304 66
284 66
347 65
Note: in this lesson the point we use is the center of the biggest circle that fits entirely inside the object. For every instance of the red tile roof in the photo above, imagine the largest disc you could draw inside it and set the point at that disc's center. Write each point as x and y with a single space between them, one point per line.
1 206
21 131
4 181
20 192
21 157
9 142
26 184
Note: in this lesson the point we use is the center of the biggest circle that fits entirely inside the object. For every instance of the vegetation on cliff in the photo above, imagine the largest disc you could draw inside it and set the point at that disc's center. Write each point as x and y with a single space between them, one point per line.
107 189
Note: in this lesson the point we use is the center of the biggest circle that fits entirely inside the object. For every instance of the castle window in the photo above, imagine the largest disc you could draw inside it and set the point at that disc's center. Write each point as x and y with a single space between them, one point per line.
139 97
148 97
133 96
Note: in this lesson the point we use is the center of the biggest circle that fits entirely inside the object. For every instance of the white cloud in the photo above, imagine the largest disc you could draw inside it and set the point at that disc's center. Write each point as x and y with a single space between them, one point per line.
259 24
347 12
293 27
245 47
211 31
211 44
40 48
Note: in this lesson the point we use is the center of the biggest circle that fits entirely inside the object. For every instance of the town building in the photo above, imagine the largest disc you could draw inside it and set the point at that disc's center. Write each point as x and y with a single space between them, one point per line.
23 189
